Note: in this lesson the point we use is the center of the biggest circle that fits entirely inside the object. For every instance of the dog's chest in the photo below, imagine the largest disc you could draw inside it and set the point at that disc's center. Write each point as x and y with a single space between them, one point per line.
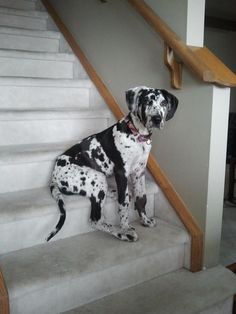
134 153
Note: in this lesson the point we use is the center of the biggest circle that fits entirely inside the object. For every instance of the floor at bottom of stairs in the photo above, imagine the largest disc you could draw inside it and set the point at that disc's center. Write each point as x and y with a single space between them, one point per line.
179 292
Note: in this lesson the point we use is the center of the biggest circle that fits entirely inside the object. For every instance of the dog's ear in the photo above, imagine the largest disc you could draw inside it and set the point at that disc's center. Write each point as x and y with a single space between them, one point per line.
131 97
172 103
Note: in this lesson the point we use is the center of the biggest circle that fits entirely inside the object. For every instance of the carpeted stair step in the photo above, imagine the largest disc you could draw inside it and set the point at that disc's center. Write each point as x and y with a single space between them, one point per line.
18 4
32 126
29 166
35 20
28 40
20 93
27 217
57 276
180 292
16 63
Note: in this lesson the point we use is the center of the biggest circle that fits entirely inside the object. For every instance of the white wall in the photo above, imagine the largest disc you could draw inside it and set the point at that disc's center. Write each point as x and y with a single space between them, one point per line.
195 22
219 130
126 52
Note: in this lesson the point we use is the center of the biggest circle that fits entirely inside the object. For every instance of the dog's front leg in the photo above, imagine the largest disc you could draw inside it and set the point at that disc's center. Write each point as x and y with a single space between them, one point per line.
140 199
123 206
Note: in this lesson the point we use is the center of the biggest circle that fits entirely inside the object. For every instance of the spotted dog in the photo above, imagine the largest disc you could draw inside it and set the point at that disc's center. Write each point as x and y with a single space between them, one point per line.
121 150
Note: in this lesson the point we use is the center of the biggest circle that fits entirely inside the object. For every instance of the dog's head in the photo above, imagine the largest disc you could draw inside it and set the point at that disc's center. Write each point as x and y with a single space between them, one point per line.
151 106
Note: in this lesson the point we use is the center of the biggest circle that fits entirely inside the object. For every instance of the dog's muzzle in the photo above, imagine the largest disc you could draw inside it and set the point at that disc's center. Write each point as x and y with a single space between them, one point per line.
158 122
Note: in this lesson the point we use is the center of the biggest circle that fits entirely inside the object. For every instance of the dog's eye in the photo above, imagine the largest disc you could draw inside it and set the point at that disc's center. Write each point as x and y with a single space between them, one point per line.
153 97
164 103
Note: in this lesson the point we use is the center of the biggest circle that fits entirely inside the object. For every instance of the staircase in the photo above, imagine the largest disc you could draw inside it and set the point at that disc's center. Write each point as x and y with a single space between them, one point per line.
48 103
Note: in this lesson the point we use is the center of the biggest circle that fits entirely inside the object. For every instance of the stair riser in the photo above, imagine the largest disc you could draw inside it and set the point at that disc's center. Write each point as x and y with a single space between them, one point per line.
78 291
25 176
31 231
48 131
33 23
36 68
43 97
16 4
28 43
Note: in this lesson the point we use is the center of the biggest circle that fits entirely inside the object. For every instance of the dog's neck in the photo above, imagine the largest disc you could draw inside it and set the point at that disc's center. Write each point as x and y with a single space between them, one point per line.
137 128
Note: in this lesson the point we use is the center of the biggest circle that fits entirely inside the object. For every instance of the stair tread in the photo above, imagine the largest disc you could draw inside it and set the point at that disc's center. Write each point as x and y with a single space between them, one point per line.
51 263
27 32
52 113
28 13
26 81
55 56
179 292
36 202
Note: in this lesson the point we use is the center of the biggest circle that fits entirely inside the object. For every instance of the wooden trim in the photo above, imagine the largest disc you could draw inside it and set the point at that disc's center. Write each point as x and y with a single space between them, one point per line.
222 73
175 200
232 267
202 68
4 299
174 67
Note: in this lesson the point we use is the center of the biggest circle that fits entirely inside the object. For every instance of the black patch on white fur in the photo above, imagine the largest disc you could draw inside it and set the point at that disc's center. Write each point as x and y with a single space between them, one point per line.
61 163
140 204
95 214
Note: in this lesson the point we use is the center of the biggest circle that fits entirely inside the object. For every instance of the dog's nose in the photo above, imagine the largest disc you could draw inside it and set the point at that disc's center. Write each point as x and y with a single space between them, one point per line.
157 119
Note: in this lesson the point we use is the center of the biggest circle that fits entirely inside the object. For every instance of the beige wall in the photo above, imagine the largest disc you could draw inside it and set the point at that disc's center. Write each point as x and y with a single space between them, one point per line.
126 52
167 11
185 17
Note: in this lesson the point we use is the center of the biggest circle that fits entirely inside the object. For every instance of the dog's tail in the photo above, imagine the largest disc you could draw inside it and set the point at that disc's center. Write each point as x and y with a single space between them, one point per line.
56 194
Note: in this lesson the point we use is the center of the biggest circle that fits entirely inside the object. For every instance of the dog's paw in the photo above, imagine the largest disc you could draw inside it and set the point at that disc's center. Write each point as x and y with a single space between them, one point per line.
148 222
130 236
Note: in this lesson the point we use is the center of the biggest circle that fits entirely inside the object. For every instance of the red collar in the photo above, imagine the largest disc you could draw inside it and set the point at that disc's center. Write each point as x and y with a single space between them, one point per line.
141 138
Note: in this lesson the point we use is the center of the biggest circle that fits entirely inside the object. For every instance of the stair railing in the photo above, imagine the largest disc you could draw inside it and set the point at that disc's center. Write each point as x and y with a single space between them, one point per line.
199 60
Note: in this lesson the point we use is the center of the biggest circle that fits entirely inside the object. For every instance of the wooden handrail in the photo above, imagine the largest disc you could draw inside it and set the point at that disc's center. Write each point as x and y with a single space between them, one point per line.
4 299
173 197
204 64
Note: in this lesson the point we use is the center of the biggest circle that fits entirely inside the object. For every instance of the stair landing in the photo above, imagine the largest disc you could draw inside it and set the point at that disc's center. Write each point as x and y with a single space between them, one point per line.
179 292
